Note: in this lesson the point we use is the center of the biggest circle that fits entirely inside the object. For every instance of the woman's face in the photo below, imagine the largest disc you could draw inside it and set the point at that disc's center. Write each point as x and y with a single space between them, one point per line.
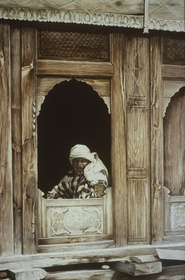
79 164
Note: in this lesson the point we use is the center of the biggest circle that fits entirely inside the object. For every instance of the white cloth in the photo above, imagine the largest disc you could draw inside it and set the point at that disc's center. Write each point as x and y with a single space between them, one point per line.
95 170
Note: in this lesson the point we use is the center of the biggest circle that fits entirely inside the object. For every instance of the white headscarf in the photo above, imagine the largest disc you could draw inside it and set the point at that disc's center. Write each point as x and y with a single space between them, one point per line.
95 170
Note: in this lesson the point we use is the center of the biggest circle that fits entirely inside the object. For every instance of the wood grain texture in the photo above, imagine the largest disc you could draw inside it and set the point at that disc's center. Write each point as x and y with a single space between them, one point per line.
136 71
6 192
29 171
136 269
156 141
118 143
73 69
16 137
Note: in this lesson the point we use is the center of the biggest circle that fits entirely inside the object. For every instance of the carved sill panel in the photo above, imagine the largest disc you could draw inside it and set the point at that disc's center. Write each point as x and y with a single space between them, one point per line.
68 218
72 221
174 213
178 216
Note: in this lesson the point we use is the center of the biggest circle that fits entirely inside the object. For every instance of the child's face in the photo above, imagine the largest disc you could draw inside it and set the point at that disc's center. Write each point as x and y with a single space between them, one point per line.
79 164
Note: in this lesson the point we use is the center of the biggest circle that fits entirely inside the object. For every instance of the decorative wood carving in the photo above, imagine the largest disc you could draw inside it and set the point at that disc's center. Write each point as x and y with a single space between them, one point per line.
174 213
178 216
54 15
75 220
75 217
93 18
166 25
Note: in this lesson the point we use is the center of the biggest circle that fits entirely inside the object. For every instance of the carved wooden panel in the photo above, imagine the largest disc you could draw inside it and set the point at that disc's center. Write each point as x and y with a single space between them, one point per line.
75 220
136 135
138 198
174 217
178 216
44 85
75 217
138 188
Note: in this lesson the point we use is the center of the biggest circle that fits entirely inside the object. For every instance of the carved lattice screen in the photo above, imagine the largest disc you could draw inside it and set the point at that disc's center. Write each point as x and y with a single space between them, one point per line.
73 45
174 50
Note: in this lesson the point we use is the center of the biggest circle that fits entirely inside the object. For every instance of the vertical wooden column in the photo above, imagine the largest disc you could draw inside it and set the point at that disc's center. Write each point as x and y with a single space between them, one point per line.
136 72
29 160
118 143
6 193
157 140
16 136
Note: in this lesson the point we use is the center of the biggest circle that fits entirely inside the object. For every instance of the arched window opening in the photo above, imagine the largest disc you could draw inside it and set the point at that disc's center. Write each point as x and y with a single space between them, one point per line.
174 144
72 113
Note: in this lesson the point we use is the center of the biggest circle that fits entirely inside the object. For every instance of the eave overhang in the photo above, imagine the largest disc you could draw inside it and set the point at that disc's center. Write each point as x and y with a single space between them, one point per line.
143 21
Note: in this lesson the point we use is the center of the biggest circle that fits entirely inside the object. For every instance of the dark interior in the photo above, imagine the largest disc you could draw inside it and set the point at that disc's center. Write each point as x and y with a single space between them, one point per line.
72 113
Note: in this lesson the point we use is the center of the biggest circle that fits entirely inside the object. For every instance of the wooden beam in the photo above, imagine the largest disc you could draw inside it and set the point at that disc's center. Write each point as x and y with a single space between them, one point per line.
173 72
167 254
6 190
16 137
95 274
136 269
27 273
118 107
144 258
136 71
64 258
156 141
79 69
29 162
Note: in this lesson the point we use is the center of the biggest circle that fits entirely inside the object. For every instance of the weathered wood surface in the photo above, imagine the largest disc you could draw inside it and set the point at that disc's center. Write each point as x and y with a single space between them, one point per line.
44 85
144 258
6 191
73 69
16 137
96 219
172 272
96 274
170 88
136 70
136 269
173 72
156 141
3 275
167 254
118 147
29 164
76 246
27 274
81 256
74 257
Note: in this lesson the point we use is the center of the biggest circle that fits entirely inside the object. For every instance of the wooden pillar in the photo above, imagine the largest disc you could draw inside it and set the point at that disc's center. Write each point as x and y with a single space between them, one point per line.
29 159
136 73
6 193
16 136
156 140
118 143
